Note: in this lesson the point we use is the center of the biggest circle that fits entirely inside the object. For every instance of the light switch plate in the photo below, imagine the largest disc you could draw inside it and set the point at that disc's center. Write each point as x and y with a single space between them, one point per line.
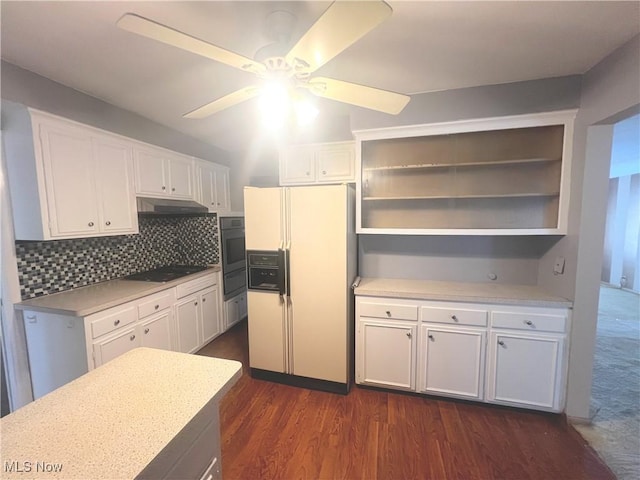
558 267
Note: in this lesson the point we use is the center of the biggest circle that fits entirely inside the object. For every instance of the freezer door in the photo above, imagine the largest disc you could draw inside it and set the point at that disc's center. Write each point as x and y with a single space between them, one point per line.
263 221
266 324
318 277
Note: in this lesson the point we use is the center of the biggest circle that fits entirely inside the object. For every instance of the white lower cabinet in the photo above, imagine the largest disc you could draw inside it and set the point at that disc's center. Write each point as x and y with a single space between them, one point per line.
386 342
145 322
235 310
198 313
62 347
452 361
527 360
188 324
506 354
386 354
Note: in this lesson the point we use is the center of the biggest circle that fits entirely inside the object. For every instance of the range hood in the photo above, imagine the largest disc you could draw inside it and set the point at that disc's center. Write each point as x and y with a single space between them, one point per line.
164 206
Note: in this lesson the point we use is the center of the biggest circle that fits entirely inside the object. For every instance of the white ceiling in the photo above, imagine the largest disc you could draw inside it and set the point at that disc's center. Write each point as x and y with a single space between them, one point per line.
424 46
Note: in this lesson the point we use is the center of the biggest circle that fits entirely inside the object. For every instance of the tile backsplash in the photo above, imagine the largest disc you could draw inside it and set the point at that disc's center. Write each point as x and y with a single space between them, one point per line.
55 266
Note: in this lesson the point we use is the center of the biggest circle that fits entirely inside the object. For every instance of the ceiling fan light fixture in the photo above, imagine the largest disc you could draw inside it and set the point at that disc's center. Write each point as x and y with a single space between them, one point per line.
274 105
306 112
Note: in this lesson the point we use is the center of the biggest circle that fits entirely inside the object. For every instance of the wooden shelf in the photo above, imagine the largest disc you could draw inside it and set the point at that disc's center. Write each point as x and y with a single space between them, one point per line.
498 163
446 197
503 175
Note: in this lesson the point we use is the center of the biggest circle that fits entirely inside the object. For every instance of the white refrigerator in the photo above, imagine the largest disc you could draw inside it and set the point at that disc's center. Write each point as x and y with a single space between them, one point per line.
301 331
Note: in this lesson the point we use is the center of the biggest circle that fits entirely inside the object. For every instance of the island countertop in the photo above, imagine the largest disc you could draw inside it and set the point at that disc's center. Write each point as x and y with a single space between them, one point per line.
112 422
460 292
84 301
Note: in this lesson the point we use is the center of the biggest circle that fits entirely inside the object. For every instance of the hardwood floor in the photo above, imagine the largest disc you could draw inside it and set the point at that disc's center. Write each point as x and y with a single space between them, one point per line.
273 431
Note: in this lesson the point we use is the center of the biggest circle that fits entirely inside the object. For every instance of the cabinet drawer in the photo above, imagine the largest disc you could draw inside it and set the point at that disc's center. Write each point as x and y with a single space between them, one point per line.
388 310
529 321
454 316
111 320
192 286
155 303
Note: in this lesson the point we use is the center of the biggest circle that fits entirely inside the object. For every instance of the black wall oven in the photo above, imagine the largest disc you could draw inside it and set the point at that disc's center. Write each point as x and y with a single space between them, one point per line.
233 256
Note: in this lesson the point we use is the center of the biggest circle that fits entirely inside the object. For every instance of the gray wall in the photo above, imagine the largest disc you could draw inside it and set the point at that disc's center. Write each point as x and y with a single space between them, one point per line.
470 259
610 92
27 88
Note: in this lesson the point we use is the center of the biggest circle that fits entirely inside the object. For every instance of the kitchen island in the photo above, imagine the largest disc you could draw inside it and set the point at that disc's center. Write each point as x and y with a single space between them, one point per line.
147 414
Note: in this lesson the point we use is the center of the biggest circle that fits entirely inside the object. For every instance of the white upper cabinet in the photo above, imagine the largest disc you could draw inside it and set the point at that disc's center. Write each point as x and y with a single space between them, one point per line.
213 182
318 163
497 176
114 169
67 180
163 174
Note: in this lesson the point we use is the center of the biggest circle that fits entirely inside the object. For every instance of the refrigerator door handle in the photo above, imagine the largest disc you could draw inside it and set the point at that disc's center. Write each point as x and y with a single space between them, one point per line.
287 259
281 271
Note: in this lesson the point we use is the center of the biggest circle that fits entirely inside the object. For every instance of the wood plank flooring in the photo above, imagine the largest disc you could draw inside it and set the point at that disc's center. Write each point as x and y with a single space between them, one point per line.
273 431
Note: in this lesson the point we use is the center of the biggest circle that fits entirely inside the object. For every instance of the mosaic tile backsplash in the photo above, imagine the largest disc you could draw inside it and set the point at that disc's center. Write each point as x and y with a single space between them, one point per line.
55 266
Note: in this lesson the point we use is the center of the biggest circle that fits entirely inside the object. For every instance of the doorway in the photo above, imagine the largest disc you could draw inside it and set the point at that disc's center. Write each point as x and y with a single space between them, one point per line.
615 397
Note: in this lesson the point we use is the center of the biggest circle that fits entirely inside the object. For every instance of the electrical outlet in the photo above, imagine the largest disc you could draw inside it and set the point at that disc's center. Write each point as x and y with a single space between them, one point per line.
558 267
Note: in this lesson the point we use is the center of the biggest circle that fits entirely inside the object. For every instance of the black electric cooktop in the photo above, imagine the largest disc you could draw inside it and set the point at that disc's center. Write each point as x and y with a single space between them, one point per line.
165 274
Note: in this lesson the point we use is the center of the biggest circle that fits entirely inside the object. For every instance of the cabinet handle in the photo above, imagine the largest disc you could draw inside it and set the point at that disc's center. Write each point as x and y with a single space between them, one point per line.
431 337
218 203
501 343
157 307
388 313
163 187
195 303
324 172
528 322
117 322
107 223
408 334
132 338
307 174
454 318
204 300
146 330
213 203
90 224
173 189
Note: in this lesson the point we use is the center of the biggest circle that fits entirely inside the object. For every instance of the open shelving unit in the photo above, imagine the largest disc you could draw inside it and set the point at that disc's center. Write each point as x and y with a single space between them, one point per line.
495 176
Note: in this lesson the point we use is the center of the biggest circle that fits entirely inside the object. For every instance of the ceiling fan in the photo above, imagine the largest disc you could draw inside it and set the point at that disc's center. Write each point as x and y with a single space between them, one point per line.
341 25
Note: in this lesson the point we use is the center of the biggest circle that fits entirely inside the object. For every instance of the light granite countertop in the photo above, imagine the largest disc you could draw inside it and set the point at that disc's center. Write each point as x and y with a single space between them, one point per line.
84 301
113 421
530 295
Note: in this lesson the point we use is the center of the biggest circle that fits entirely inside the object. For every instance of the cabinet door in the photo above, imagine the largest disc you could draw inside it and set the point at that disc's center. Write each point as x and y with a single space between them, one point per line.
452 361
114 179
156 331
207 179
181 177
336 163
222 189
188 324
297 165
524 370
150 173
232 313
211 327
386 354
70 181
112 347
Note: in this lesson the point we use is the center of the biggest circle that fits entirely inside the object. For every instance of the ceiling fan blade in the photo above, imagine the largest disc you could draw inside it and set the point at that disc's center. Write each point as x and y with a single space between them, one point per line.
221 103
341 25
156 31
360 95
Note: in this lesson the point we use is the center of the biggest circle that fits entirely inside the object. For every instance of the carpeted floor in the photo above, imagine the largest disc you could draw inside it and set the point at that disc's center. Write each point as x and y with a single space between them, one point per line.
615 398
